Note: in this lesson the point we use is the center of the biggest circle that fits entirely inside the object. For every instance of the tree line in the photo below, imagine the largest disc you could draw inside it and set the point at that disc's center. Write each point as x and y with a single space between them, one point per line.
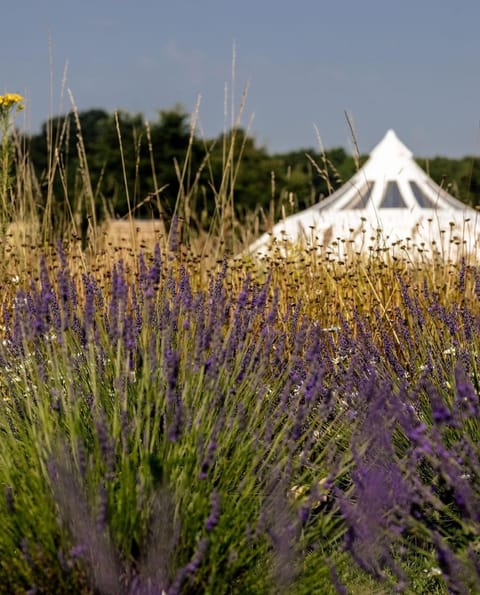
125 164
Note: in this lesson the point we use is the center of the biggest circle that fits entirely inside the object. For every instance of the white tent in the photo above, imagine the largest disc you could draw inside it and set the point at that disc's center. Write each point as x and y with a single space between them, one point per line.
389 201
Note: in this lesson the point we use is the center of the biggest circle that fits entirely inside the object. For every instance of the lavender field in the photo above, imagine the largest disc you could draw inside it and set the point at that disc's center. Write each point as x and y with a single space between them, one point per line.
167 429
180 420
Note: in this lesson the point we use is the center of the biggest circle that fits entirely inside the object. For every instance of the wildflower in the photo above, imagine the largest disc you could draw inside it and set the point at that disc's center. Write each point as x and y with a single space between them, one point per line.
9 103
449 351
212 520
208 460
341 590
191 568
78 551
10 100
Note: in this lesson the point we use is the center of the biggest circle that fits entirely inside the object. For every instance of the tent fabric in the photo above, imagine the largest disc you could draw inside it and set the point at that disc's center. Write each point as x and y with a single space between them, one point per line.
390 198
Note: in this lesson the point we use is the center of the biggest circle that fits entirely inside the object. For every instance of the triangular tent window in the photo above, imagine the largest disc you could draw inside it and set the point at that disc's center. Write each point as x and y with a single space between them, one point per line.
361 197
392 197
424 201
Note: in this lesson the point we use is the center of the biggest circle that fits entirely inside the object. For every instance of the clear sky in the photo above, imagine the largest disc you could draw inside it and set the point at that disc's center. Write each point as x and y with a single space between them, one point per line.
413 66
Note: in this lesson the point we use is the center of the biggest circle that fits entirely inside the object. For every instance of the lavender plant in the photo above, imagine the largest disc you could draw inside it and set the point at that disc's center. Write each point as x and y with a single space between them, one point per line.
169 436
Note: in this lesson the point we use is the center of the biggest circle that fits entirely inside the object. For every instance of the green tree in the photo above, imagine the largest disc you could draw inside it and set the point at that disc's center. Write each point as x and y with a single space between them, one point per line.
460 177
54 153
103 145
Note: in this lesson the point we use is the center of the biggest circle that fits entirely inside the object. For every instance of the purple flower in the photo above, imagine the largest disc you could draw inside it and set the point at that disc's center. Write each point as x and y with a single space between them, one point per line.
174 234
185 288
304 514
66 288
155 271
476 276
25 546
9 499
215 510
102 513
78 551
208 459
130 330
105 442
171 367
176 424
340 589
466 398
450 566
118 302
190 569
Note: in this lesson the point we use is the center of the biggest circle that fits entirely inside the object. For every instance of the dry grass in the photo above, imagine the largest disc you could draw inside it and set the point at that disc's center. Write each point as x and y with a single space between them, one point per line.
122 234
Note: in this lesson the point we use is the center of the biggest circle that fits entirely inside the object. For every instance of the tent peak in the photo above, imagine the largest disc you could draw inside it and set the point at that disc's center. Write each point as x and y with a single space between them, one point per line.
391 147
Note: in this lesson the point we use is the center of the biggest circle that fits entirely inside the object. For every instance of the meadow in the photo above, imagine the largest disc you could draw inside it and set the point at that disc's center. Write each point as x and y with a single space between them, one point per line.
179 417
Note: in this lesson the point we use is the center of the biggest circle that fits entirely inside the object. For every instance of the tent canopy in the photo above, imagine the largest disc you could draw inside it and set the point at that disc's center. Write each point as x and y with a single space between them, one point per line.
390 195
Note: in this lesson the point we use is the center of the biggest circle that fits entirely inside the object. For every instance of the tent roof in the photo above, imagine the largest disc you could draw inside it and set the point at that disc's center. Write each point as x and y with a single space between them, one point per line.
390 193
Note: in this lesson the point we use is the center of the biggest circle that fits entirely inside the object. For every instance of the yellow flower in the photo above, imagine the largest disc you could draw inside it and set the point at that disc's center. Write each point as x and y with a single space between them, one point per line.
11 99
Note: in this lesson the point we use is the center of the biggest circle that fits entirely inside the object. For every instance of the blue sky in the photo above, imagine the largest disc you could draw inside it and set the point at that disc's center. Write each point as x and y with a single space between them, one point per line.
412 65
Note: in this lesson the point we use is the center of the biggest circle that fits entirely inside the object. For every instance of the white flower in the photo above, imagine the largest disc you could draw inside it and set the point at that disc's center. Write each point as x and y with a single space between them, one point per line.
449 351
434 571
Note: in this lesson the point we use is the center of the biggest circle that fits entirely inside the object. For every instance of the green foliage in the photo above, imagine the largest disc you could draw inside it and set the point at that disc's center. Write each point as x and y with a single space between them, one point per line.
460 177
